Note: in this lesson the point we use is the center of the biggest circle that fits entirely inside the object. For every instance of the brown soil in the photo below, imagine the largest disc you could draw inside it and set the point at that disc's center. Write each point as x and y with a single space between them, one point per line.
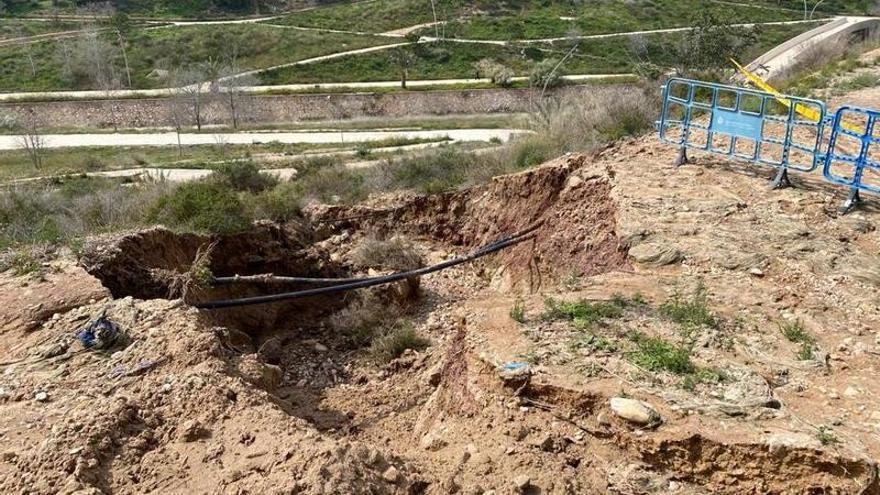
277 399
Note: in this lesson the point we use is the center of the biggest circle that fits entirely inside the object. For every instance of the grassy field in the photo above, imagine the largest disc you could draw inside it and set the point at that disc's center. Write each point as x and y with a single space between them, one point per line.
444 60
17 164
148 49
18 28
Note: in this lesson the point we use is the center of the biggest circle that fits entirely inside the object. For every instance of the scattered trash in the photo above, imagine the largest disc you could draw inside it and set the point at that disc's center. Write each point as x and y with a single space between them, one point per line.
41 396
100 334
515 374
635 411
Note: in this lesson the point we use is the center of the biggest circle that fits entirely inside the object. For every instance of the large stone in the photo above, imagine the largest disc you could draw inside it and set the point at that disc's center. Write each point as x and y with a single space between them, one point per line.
635 411
655 254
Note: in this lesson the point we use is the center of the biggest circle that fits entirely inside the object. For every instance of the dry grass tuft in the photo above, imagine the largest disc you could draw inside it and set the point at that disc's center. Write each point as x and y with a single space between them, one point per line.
395 254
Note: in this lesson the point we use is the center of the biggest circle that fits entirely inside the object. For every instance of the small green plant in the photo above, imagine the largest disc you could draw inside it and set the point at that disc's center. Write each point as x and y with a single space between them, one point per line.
363 151
399 338
594 343
690 312
825 436
806 352
583 314
21 263
656 354
795 332
518 311
702 375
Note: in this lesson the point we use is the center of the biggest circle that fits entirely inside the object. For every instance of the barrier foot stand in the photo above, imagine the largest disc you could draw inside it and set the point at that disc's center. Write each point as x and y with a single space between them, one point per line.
851 202
781 180
682 157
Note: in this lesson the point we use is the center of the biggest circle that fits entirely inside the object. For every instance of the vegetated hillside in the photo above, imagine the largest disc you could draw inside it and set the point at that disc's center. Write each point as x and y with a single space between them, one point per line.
449 59
159 8
517 19
94 61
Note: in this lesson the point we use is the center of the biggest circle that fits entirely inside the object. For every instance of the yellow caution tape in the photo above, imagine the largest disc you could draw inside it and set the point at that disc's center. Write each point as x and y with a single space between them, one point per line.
808 112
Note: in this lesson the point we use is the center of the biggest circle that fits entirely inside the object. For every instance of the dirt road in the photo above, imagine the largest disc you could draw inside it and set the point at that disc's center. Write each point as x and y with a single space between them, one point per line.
187 139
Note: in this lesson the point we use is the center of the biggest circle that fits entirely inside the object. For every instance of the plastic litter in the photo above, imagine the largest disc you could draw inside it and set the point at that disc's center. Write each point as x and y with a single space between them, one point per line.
99 334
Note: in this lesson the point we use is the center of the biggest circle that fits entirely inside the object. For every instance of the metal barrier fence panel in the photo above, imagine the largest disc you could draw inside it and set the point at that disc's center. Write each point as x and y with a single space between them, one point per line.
743 123
853 157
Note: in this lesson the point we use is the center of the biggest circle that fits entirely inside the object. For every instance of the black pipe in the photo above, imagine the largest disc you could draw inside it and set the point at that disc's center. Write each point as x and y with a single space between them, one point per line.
269 278
369 282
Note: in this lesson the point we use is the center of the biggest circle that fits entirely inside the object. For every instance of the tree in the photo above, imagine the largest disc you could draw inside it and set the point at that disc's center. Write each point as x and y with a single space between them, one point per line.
403 58
122 25
30 138
234 95
713 40
190 93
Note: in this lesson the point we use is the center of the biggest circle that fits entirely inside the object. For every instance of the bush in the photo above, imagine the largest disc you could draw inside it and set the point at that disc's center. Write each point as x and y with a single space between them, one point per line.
395 254
545 74
494 71
283 203
361 320
69 208
331 184
203 206
244 176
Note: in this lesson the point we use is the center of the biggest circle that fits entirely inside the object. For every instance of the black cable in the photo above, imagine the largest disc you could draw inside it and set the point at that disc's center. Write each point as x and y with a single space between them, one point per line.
275 279
370 282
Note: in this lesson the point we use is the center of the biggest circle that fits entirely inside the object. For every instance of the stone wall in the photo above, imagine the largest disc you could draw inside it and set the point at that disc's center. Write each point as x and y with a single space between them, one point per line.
287 108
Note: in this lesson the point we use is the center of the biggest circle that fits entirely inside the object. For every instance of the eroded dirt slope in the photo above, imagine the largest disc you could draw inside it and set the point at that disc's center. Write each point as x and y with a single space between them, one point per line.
189 402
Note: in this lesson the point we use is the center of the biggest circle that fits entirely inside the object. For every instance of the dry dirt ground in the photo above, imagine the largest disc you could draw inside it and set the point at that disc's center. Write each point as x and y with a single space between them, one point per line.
277 399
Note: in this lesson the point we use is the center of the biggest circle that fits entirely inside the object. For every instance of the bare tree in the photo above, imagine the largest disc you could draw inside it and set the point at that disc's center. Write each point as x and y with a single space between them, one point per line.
436 25
122 25
178 116
28 53
30 138
191 92
234 95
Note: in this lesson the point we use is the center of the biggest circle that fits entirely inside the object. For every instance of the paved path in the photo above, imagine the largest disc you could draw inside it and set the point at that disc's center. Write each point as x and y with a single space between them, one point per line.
170 138
777 62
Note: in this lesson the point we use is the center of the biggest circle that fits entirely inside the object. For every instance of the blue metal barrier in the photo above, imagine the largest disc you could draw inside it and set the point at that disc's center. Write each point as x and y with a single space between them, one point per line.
743 123
853 157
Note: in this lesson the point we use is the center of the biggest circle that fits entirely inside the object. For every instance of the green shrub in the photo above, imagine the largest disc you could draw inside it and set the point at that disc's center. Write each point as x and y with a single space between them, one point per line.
244 176
281 204
582 313
795 332
203 206
656 354
518 311
693 312
332 184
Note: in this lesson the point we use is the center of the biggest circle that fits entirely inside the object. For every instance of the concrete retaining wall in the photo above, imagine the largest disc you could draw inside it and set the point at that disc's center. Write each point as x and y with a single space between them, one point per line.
287 108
